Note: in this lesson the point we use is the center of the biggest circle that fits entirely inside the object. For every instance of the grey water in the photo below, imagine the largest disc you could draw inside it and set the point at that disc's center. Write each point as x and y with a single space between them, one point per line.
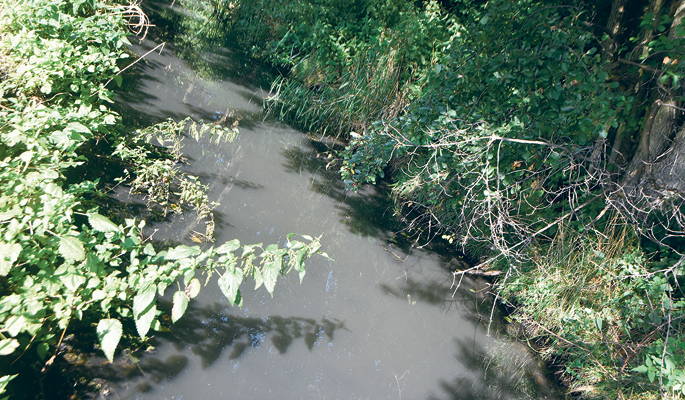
378 321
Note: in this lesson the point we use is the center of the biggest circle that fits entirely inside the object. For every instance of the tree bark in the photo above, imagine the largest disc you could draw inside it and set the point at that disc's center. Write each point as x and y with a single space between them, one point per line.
656 173
614 26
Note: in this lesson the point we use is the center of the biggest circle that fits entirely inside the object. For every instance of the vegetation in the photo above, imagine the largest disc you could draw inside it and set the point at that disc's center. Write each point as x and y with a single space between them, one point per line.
63 258
543 137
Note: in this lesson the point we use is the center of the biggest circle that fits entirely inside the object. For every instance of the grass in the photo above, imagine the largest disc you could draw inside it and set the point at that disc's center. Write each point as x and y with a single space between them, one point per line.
598 307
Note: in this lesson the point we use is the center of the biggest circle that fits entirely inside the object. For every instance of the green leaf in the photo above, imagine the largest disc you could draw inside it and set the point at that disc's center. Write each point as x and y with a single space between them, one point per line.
8 256
8 215
258 279
77 127
193 288
7 346
47 88
271 248
15 324
149 250
230 282
182 251
144 309
228 247
42 350
143 300
71 248
180 305
102 223
641 368
188 275
143 321
4 380
270 274
249 249
109 333
156 325
299 262
72 281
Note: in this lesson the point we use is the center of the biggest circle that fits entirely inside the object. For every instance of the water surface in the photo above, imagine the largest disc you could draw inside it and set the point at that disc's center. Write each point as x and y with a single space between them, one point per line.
378 322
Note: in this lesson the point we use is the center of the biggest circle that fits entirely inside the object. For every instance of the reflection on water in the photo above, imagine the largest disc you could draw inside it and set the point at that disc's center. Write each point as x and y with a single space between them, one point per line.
379 322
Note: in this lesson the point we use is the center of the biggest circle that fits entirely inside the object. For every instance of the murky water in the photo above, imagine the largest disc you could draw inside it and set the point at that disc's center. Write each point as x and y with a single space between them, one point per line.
378 322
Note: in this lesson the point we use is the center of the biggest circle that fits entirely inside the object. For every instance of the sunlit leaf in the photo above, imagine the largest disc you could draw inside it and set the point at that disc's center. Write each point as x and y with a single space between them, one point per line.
71 248
193 288
144 299
230 282
102 223
180 301
72 281
77 127
7 346
182 251
4 380
258 279
144 321
15 324
228 247
149 250
8 256
270 274
7 215
271 248
299 262
109 333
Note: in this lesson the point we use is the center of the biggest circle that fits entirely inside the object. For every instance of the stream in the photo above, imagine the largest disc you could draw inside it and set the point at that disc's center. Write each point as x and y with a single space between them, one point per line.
378 321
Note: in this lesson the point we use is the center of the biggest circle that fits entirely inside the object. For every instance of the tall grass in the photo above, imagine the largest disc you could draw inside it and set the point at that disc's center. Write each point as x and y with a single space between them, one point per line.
597 306
367 90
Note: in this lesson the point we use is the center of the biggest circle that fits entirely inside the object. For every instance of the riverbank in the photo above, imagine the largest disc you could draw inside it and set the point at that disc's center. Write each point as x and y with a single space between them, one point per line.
504 130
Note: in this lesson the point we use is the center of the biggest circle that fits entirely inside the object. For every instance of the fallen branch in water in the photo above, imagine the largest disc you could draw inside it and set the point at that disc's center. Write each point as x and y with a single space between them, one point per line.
473 271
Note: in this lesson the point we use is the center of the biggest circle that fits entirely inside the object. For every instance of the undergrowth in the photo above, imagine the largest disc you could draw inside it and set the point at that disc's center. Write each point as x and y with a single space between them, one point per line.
604 313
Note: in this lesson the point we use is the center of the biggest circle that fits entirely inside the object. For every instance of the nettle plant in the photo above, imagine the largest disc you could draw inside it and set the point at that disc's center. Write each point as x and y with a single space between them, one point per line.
60 258
154 172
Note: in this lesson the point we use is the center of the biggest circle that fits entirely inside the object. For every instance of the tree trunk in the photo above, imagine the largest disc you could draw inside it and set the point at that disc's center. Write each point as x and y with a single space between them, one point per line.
614 26
656 173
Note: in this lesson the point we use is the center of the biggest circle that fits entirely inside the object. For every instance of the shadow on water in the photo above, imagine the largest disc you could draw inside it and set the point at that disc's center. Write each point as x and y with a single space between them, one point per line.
208 58
209 331
504 371
229 180
368 213
432 292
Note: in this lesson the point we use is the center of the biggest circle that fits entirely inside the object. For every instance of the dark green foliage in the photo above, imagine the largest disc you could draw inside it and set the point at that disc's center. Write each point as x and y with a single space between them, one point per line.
504 121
